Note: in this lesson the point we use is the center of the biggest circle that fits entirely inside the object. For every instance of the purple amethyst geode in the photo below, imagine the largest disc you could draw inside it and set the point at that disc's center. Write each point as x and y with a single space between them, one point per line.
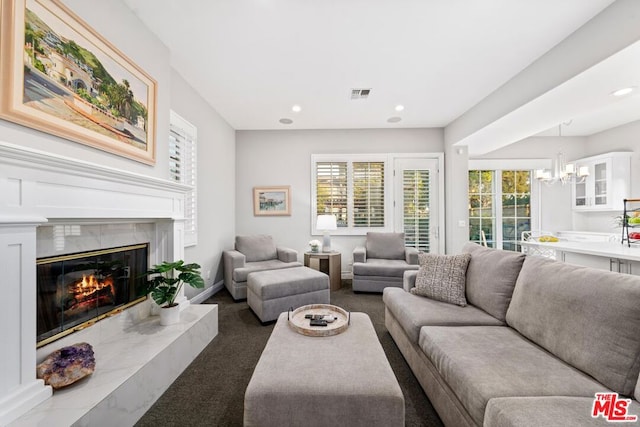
67 365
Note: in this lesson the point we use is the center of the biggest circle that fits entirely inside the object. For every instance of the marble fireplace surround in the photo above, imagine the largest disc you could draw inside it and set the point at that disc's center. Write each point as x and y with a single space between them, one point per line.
50 205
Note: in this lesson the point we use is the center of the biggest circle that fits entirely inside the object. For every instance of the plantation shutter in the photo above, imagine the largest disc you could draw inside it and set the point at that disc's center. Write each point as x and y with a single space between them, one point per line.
368 194
416 219
331 190
182 168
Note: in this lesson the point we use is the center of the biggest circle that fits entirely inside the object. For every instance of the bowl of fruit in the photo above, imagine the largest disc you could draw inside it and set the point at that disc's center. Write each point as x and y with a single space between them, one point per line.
634 220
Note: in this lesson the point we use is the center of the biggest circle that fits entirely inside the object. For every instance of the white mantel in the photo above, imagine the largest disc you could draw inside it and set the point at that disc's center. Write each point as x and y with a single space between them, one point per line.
36 188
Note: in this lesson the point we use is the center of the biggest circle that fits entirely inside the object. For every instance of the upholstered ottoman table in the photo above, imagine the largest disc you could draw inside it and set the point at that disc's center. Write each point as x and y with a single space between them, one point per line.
339 380
271 292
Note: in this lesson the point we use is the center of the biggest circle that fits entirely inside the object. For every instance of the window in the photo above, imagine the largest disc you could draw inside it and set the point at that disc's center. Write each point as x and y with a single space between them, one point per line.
381 192
368 194
353 188
499 207
416 208
331 190
182 168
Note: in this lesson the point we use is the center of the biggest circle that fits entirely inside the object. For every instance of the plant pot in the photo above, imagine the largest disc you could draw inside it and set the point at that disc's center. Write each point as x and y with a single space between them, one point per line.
170 315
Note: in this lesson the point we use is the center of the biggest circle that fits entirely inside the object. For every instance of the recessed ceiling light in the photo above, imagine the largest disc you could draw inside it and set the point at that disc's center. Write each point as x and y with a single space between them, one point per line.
624 91
399 107
394 119
296 108
285 121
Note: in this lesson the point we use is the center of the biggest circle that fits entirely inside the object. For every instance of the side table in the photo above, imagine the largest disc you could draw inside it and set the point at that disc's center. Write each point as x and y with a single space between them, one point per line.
327 262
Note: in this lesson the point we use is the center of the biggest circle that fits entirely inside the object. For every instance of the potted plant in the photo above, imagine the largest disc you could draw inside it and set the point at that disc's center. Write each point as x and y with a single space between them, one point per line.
165 282
314 245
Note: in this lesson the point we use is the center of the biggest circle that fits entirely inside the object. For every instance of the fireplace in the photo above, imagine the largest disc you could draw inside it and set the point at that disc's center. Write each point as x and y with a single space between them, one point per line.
76 290
52 205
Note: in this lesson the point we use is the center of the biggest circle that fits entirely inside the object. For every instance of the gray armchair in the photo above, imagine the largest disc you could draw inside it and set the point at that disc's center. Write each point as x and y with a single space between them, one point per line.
382 262
253 253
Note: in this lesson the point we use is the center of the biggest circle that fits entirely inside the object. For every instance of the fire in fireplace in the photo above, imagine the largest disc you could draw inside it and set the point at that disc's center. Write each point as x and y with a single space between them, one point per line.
78 289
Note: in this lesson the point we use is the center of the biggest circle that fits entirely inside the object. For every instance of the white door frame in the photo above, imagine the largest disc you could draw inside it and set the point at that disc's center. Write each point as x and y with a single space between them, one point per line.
435 163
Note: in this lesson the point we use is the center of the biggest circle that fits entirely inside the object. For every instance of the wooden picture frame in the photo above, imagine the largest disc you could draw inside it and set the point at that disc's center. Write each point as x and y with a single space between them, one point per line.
59 76
272 201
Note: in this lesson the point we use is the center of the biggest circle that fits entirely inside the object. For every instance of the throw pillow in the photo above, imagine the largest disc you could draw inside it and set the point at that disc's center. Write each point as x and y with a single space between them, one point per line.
442 277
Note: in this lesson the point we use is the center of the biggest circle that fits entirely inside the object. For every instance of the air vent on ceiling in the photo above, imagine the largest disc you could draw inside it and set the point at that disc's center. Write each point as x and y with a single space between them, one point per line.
360 93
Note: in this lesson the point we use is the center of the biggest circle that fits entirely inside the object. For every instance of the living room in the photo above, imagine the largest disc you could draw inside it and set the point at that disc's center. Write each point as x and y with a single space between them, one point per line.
522 121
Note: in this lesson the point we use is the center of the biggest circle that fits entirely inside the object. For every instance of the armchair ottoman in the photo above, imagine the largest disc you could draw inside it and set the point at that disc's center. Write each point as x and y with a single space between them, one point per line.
251 254
269 293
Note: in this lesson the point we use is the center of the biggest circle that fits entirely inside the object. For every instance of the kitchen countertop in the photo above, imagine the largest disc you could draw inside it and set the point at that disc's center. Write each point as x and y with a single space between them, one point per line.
604 249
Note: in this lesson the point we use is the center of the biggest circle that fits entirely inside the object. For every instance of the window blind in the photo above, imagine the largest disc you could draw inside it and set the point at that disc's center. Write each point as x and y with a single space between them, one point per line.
331 190
368 194
182 168
416 219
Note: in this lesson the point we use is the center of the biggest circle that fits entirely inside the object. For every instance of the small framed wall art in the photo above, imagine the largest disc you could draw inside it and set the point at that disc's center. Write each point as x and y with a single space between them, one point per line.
272 201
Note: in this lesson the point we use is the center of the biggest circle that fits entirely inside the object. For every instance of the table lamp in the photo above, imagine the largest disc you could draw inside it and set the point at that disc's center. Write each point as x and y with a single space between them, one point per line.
325 224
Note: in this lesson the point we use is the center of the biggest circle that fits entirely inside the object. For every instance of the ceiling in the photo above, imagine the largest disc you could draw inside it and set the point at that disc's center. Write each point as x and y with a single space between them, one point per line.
252 60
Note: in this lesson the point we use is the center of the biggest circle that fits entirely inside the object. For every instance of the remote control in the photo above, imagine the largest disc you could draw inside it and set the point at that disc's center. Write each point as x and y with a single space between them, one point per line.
317 322
314 316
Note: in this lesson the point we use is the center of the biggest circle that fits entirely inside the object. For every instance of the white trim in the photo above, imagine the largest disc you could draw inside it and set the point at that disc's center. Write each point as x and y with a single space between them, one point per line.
207 293
12 154
38 184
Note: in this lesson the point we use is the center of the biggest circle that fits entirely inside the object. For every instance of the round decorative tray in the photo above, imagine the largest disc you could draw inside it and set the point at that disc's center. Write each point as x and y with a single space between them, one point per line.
301 324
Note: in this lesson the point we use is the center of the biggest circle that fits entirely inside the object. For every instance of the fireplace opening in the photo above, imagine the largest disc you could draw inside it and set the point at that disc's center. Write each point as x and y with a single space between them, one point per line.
76 290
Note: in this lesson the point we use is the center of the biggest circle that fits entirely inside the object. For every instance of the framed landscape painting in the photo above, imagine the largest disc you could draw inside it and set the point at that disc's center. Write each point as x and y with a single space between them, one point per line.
59 76
270 201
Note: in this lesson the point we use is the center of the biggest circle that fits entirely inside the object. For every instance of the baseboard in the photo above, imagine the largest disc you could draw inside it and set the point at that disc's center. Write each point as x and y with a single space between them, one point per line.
207 293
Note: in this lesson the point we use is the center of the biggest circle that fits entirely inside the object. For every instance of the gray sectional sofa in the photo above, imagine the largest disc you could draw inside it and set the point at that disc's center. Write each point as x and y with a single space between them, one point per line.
536 341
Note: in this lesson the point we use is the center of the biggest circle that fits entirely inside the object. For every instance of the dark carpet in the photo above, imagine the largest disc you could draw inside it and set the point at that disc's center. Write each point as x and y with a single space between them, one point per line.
210 392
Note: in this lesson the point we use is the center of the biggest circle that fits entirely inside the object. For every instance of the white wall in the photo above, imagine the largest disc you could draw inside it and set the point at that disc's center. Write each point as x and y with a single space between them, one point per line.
267 158
216 176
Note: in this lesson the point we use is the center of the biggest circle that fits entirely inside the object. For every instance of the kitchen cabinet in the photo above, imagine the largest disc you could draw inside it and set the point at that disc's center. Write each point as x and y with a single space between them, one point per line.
603 255
593 261
607 184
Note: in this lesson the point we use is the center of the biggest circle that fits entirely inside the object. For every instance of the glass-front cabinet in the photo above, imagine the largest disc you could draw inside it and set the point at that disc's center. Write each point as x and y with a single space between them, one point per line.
607 184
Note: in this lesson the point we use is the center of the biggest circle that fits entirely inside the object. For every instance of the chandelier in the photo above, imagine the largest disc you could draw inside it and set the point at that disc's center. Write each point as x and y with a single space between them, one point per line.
563 172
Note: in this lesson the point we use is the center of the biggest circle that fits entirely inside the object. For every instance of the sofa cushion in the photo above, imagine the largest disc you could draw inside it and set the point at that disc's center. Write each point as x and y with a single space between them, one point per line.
257 248
587 317
442 277
382 267
413 312
385 245
241 274
482 362
491 277
546 411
